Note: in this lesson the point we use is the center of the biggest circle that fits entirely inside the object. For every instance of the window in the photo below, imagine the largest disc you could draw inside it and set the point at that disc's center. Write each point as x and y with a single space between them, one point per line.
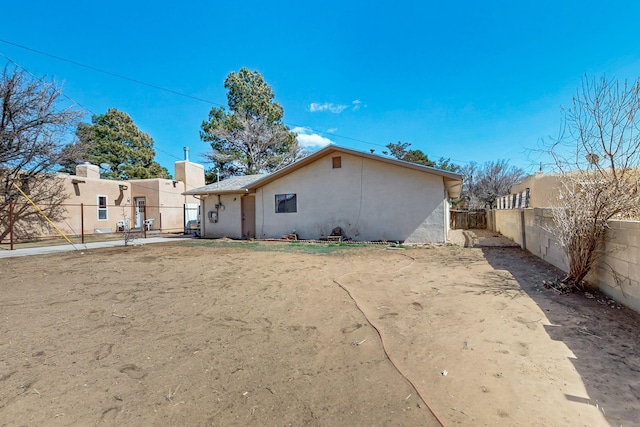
102 207
24 185
337 162
286 203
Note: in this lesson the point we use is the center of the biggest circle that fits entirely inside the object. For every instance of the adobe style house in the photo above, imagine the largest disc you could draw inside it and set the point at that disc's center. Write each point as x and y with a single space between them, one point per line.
542 189
104 206
369 197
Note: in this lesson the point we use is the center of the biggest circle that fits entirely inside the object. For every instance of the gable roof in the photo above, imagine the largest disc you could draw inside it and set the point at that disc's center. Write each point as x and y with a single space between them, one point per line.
234 184
452 181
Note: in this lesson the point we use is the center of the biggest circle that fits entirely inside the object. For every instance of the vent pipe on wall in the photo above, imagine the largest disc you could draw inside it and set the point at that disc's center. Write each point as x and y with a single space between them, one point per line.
186 153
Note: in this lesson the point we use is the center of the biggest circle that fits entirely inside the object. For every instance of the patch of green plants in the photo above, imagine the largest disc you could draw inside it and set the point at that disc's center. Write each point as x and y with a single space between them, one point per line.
222 243
293 246
319 248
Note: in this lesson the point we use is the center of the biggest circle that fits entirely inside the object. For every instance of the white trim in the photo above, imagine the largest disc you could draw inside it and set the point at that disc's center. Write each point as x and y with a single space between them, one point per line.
139 211
105 208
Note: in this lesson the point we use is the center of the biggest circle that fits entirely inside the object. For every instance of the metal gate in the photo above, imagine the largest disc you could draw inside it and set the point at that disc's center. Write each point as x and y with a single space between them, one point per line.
192 218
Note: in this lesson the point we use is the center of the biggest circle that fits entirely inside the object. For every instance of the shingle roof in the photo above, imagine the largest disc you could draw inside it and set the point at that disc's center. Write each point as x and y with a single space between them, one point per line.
249 183
452 180
235 184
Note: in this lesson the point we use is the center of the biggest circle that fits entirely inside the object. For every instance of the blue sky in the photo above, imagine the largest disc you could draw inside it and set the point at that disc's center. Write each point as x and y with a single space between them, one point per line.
469 80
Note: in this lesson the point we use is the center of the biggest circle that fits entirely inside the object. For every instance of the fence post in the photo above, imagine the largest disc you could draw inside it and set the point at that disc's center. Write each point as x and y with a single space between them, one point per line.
160 225
11 225
82 221
144 217
524 231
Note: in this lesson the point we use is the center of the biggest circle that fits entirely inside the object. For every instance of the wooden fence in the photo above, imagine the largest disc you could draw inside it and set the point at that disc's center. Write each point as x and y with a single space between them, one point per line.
466 219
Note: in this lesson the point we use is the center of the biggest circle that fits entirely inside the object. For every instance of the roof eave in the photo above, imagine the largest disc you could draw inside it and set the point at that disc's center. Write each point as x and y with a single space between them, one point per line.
453 187
334 148
216 192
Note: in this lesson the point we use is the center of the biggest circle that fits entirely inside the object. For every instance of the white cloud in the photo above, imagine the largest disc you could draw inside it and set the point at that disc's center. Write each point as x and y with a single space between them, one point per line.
306 139
332 130
315 107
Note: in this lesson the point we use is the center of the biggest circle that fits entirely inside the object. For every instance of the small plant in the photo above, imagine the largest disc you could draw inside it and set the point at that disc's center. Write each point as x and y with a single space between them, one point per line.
597 156
126 227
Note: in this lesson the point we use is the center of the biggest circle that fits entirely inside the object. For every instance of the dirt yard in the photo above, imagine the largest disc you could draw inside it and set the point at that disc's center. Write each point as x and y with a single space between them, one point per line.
205 333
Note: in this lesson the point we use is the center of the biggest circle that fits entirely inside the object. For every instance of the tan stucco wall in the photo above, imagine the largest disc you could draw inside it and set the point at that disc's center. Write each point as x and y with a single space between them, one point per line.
543 189
192 175
368 199
163 197
87 193
164 202
229 217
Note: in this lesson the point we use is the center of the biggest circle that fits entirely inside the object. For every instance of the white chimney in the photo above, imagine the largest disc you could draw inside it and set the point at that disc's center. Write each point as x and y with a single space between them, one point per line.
87 170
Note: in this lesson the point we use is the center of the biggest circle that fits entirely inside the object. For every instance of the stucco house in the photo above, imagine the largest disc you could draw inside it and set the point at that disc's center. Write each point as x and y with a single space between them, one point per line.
98 205
93 205
369 197
542 190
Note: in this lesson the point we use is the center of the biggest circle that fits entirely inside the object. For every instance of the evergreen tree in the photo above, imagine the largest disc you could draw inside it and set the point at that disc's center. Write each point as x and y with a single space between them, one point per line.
114 139
249 138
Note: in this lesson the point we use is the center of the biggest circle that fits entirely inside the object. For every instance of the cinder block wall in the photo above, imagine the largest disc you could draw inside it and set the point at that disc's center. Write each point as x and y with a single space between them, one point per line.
540 241
508 223
617 274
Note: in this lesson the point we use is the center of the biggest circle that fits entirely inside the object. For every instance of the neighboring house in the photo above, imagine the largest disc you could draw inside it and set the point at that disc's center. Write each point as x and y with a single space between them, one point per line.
98 205
542 190
371 198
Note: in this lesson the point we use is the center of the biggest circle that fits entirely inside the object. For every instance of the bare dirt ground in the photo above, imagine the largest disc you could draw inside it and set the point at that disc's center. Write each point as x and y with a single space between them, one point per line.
258 334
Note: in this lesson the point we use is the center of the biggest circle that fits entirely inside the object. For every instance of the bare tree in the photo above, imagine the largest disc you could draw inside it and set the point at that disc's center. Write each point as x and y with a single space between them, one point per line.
249 138
32 130
596 155
483 184
257 142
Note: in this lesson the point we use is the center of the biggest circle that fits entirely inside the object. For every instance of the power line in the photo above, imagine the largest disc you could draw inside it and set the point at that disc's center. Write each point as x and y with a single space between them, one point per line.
71 99
40 79
167 153
120 76
175 92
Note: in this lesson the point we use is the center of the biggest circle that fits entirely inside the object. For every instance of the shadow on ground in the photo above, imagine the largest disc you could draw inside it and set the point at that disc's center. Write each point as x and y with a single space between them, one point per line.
604 340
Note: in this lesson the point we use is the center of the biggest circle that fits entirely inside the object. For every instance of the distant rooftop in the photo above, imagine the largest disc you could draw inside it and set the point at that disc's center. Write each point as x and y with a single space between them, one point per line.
230 185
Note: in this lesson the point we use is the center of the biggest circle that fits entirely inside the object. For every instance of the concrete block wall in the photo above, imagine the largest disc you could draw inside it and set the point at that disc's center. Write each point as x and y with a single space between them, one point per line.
616 274
542 242
508 223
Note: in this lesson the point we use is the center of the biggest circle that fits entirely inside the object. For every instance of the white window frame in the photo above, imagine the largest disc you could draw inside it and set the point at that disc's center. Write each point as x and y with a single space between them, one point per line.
104 209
